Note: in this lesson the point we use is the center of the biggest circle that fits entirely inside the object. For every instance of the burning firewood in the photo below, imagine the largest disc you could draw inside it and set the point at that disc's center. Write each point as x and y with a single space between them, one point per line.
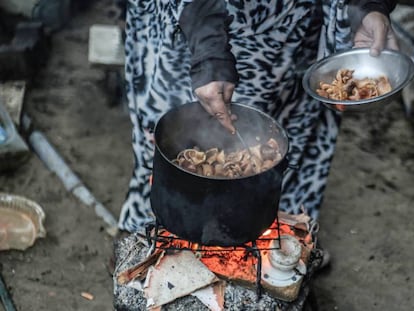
140 270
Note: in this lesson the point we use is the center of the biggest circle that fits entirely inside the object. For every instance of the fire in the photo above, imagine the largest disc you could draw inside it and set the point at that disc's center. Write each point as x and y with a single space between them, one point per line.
236 262
267 232
248 265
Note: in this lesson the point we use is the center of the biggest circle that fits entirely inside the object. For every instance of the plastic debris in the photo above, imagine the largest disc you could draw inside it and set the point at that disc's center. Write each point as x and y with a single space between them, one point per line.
21 222
3 135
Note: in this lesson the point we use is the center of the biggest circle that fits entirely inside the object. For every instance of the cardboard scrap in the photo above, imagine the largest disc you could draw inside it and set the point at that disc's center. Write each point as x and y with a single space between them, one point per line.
176 275
212 296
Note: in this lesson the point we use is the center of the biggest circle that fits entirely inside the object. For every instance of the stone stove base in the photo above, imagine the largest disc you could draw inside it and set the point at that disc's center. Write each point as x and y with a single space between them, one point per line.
130 251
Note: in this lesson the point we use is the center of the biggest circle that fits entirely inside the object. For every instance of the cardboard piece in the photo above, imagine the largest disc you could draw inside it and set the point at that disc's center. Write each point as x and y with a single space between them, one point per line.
212 296
177 275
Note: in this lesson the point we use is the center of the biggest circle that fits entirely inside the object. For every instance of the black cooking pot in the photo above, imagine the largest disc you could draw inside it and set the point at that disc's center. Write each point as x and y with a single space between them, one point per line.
211 210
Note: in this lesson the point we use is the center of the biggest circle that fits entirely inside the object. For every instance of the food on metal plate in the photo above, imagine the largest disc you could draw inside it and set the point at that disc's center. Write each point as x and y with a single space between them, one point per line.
346 87
217 163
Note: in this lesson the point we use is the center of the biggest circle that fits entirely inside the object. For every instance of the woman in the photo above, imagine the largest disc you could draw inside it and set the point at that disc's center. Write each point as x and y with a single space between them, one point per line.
252 52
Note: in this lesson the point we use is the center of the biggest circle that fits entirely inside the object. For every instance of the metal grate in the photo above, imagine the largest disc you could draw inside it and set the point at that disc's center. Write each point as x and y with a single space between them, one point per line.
168 241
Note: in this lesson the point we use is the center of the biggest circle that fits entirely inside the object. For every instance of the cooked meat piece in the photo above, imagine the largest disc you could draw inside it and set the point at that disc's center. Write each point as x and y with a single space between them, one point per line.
345 87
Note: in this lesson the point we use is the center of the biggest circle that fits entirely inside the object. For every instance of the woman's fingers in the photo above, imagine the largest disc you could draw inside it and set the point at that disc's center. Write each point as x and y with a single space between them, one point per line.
215 98
221 113
228 89
376 33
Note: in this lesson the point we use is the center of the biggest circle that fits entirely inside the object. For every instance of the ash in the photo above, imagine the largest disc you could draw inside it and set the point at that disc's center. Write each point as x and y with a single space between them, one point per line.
133 249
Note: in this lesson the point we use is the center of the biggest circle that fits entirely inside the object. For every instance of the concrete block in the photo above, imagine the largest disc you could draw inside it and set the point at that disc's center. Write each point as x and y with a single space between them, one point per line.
106 45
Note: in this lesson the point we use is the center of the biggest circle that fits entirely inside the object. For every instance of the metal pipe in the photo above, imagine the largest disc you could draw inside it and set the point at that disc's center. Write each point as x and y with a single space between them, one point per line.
70 180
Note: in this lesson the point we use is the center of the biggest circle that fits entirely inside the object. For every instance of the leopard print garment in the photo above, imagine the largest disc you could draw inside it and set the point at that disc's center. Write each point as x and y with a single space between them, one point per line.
273 41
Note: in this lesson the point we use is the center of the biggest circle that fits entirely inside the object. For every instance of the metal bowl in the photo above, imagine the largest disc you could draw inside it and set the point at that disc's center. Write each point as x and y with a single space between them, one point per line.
398 67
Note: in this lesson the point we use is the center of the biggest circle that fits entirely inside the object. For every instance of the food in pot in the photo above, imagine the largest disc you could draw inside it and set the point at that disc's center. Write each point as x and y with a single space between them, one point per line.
217 163
346 87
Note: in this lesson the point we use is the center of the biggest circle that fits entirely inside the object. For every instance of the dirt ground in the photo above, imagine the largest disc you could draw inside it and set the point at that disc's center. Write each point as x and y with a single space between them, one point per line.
365 223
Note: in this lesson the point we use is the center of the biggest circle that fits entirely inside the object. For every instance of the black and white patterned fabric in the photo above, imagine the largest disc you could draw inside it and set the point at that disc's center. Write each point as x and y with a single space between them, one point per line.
273 41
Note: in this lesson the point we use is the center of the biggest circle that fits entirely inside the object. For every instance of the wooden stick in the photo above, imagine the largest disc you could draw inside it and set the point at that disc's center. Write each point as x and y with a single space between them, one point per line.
138 271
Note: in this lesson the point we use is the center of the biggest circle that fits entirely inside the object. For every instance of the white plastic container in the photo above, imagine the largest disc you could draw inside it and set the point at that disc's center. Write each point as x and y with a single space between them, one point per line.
7 129
3 135
13 149
21 222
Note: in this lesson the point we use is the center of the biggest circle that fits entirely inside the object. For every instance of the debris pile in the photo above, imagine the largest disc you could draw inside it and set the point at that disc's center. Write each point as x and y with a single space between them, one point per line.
153 278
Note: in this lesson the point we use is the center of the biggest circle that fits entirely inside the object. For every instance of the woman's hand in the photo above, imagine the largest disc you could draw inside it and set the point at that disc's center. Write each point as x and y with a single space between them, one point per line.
215 97
376 33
